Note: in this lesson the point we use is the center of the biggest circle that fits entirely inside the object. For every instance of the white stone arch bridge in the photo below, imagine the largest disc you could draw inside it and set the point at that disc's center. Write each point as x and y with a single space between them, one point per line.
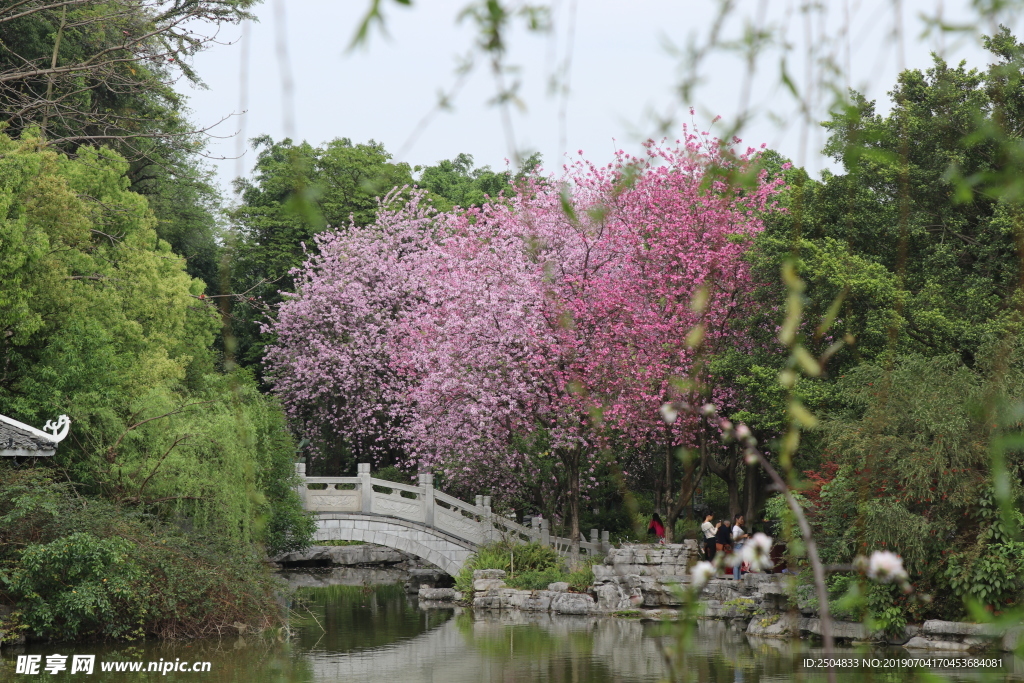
418 520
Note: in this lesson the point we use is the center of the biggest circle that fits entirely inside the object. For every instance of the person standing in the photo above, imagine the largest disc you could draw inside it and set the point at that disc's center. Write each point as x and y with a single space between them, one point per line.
738 537
723 537
709 529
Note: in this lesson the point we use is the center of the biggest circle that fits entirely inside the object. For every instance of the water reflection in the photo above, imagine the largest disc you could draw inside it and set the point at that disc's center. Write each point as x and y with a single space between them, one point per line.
355 633
338 620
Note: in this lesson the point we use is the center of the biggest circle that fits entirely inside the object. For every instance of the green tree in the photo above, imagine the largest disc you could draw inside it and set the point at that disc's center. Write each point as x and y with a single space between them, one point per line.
914 471
102 322
104 71
929 264
455 182
297 190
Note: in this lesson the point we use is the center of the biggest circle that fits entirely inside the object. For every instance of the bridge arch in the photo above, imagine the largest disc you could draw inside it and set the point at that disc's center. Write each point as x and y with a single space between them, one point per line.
419 520
446 552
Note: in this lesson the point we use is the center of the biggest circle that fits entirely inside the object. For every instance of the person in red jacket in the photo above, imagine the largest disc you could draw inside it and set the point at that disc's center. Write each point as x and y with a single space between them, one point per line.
656 528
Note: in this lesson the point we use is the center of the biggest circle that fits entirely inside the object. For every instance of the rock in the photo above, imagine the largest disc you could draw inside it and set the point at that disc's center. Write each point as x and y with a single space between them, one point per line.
487 601
483 585
774 626
845 630
662 591
920 643
342 556
431 578
437 594
755 580
489 574
723 590
572 603
648 560
559 587
977 641
935 627
528 601
1013 638
612 597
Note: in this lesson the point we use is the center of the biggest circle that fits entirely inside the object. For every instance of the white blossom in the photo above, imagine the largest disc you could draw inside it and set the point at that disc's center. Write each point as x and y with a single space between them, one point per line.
701 573
886 567
757 552
669 413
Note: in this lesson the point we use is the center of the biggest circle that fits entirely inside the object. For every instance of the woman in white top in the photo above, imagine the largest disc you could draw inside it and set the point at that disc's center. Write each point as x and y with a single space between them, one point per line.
709 528
738 537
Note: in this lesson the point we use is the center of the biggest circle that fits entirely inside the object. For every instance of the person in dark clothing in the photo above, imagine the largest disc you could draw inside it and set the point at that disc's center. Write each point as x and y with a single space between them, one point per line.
656 528
723 537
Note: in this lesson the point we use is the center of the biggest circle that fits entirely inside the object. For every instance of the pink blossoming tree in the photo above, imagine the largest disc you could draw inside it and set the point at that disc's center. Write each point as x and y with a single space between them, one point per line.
571 309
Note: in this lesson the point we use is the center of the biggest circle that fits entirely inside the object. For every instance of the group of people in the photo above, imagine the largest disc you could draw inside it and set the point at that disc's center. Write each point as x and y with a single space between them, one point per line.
723 537
719 537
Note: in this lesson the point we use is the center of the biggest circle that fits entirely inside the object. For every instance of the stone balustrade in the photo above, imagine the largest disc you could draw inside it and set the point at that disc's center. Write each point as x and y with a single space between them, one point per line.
423 505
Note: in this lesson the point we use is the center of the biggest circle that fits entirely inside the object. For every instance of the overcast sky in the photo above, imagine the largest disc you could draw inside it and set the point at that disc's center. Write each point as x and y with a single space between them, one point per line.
622 77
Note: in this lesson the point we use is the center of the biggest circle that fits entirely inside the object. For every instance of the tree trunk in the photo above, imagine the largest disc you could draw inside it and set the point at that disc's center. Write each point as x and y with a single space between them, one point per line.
572 462
667 488
727 472
752 486
733 482
685 495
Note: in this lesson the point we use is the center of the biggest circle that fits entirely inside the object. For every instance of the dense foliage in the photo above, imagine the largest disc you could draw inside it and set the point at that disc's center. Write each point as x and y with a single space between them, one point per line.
102 322
516 334
83 567
919 238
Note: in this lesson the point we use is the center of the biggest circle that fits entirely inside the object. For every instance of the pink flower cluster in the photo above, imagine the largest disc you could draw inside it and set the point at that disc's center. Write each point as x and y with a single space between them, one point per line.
566 307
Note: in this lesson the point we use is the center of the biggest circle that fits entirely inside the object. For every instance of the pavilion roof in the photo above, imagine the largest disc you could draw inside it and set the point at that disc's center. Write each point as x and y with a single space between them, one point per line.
18 438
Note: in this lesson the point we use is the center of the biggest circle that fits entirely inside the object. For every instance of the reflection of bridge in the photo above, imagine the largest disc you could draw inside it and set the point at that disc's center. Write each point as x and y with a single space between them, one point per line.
509 646
429 524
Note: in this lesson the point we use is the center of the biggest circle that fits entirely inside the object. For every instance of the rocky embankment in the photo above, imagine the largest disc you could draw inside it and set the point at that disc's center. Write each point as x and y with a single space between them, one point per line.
361 565
644 581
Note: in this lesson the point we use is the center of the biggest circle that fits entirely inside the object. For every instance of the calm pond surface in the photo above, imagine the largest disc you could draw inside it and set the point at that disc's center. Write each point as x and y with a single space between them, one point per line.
355 626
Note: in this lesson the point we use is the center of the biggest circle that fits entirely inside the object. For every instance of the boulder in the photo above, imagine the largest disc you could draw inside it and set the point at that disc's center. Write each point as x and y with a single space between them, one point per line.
1013 638
437 594
572 603
489 574
843 630
431 578
483 585
936 627
559 587
342 556
528 601
774 626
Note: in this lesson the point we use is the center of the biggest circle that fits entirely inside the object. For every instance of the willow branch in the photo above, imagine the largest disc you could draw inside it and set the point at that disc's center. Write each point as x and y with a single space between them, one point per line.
812 557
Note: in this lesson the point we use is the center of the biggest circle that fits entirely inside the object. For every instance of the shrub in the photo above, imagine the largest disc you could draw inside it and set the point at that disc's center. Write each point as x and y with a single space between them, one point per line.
583 578
536 580
80 583
78 567
510 557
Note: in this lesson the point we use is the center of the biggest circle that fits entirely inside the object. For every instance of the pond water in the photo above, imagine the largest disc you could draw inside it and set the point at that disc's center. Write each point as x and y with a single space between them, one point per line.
358 626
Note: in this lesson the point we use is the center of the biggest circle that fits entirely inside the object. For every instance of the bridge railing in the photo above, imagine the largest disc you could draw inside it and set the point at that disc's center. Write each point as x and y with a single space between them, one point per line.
475 523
